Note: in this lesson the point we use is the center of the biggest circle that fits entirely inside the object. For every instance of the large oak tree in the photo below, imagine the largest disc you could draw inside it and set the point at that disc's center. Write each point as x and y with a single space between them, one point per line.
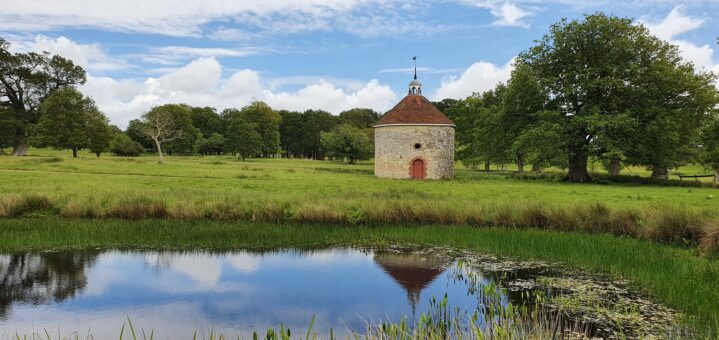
607 76
26 79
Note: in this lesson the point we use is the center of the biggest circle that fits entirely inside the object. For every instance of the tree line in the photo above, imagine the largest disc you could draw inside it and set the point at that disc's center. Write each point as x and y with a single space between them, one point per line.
600 88
40 106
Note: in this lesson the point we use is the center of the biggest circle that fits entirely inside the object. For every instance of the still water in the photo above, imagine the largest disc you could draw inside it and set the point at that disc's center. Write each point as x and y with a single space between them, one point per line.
176 293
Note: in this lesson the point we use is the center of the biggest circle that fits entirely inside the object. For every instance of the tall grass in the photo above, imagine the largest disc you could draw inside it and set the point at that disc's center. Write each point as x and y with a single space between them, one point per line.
675 225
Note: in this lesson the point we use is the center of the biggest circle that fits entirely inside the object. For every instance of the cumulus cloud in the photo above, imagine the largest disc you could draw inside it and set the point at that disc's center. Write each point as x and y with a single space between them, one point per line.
90 56
677 23
200 83
479 77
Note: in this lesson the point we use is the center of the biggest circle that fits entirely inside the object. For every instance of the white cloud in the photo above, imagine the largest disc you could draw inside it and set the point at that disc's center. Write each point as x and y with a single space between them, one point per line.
508 13
200 83
90 56
192 17
479 77
677 23
674 24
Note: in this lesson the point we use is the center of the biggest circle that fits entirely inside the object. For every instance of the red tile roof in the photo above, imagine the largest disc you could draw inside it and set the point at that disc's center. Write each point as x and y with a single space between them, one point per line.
414 109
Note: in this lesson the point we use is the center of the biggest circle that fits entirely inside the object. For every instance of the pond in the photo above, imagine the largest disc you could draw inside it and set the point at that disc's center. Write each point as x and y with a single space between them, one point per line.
176 293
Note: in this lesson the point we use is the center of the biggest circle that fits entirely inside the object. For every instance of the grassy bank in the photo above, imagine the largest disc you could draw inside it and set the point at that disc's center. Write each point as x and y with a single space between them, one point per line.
305 191
678 277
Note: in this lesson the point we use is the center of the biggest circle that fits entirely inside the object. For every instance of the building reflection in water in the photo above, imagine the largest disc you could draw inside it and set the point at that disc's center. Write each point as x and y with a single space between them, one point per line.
413 271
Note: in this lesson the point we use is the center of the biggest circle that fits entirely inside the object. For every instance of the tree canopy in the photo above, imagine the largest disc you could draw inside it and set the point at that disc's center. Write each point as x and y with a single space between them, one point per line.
26 79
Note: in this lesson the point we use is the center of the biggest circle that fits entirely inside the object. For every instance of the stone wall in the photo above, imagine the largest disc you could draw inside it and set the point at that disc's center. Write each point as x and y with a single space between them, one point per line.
395 150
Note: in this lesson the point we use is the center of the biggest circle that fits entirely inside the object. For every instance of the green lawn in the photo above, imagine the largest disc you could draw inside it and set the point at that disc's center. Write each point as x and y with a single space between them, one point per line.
199 179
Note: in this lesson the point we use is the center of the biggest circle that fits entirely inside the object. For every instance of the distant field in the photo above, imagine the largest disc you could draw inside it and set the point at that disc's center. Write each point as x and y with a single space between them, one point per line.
203 179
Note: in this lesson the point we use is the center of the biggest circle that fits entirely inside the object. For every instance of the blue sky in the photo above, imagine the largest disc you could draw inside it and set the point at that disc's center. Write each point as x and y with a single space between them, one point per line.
324 54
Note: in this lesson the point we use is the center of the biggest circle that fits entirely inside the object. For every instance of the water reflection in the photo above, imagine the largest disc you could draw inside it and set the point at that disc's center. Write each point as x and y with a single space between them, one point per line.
42 278
178 292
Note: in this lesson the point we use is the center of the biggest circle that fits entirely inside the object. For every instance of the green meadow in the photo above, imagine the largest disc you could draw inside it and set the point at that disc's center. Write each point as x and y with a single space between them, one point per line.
306 191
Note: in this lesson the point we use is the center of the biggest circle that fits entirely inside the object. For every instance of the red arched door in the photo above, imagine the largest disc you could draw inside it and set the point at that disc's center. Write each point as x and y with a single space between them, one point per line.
417 170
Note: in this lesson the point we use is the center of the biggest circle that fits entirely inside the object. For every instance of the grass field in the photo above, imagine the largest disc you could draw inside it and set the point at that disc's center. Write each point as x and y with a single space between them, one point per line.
49 182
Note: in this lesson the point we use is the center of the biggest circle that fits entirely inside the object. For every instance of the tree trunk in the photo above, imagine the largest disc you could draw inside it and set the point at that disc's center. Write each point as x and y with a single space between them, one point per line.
486 166
520 163
661 174
578 166
20 149
716 176
536 167
74 153
614 167
159 151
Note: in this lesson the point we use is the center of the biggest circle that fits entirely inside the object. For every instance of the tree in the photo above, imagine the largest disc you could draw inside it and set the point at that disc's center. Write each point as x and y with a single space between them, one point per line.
122 145
7 129
26 79
709 155
522 103
134 131
480 136
67 117
206 120
315 123
291 133
213 145
99 133
347 142
242 137
164 124
267 122
605 69
360 118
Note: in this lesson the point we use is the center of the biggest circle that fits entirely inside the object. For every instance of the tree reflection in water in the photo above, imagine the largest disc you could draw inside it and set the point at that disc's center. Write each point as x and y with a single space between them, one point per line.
40 278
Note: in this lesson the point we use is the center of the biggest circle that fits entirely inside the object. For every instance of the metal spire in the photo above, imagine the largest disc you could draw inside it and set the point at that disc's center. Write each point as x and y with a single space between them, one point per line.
415 67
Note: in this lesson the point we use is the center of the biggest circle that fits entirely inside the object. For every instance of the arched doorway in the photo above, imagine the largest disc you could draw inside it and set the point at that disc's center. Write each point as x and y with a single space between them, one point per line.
417 170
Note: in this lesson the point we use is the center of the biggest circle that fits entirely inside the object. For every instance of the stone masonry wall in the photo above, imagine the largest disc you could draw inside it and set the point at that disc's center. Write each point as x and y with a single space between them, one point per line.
395 150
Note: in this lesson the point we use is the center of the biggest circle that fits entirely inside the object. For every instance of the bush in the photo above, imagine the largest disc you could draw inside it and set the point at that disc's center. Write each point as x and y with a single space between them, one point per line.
122 145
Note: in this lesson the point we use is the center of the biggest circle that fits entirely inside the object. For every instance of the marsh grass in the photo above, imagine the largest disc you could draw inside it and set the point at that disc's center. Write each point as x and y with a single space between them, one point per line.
25 204
670 224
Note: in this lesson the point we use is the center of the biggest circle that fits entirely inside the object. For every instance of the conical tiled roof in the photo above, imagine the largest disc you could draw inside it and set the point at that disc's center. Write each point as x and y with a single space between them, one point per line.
414 109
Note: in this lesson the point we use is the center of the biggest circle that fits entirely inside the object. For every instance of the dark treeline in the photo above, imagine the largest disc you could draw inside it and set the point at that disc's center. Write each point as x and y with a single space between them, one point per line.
597 89
257 130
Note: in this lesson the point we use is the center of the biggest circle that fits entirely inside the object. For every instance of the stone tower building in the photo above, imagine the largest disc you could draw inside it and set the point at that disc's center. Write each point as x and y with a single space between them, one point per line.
414 139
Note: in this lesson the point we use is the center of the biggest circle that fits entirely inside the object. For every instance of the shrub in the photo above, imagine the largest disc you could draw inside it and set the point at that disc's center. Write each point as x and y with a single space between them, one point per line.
709 242
139 209
122 145
673 225
15 206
